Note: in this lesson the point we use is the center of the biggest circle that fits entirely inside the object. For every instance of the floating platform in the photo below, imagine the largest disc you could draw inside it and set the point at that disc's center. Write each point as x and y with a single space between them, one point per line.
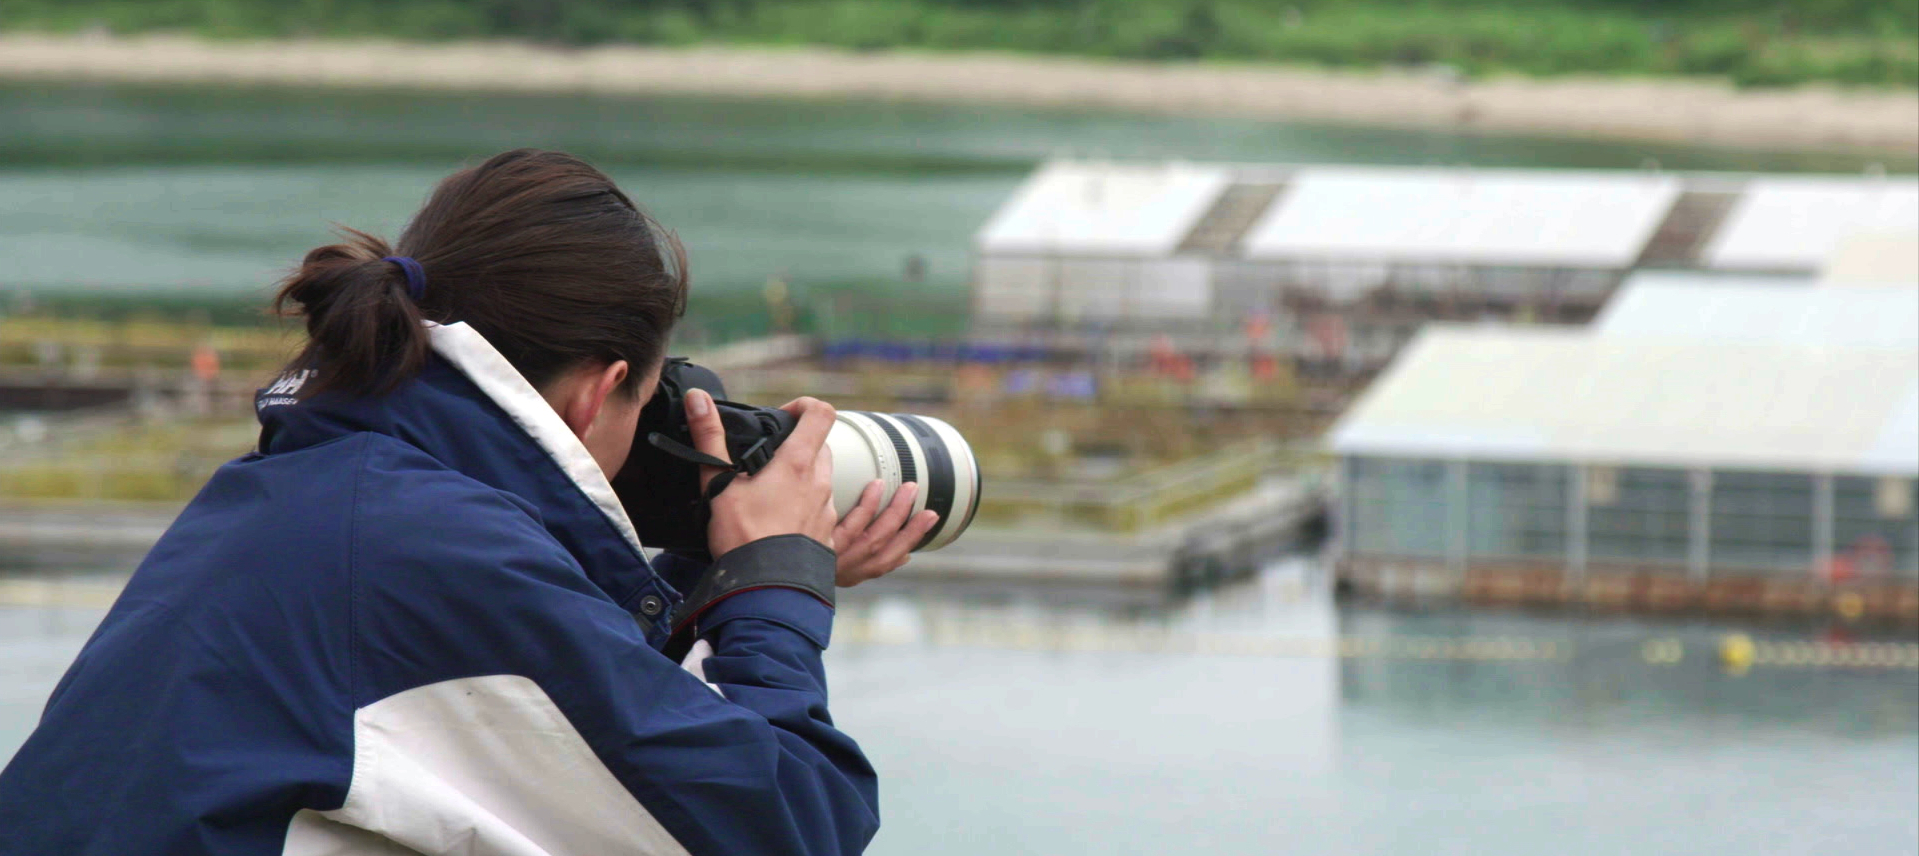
1626 589
1228 542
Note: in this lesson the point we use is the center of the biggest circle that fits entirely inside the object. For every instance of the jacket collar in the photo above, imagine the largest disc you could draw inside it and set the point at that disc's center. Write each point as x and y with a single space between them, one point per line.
473 412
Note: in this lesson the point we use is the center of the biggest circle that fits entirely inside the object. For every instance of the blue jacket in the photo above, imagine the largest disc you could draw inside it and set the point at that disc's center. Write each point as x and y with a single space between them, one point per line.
422 623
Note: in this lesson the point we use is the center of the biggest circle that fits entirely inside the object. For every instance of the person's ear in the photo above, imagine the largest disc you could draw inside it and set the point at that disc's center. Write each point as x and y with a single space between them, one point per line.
581 403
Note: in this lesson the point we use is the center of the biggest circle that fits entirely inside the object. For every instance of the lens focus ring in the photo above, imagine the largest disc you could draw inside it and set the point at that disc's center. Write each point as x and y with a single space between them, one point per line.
909 471
938 488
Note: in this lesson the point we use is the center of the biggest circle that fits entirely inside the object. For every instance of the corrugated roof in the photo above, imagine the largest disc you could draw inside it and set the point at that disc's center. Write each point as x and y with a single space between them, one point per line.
1568 395
1796 223
1477 216
1094 208
1758 310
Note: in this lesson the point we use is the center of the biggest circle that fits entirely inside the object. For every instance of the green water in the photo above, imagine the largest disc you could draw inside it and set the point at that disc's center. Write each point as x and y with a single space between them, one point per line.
151 194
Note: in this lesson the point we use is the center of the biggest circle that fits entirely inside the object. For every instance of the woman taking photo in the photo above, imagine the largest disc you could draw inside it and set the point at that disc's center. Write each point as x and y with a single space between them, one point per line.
416 619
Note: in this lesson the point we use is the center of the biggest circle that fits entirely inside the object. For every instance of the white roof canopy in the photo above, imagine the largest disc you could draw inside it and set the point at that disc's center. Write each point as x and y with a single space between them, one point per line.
1874 260
1797 223
1465 216
1103 209
1570 396
1753 310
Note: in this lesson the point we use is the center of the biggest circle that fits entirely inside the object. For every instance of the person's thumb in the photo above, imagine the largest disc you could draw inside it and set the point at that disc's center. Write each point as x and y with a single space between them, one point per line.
709 435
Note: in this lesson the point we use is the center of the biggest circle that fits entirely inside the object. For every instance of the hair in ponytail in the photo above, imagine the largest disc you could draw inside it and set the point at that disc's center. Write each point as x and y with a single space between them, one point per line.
538 251
364 333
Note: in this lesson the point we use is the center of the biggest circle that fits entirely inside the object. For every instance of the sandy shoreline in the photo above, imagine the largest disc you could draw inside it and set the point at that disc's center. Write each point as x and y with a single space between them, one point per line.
1819 118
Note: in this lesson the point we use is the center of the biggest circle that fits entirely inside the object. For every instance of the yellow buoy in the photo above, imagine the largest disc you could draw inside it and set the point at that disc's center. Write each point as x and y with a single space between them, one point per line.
1736 653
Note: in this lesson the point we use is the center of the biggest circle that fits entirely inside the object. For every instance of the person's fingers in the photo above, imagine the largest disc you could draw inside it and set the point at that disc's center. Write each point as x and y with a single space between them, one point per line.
895 514
871 537
923 523
709 436
881 551
862 513
899 547
816 419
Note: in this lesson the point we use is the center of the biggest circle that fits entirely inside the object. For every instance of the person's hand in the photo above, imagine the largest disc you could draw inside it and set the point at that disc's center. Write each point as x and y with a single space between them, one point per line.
871 546
792 494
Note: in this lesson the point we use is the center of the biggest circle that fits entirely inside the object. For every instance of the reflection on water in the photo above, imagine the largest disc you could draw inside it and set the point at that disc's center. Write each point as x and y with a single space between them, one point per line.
1062 749
1011 724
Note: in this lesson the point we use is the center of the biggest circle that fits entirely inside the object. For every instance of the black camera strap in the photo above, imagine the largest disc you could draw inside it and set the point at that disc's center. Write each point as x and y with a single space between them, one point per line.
751 461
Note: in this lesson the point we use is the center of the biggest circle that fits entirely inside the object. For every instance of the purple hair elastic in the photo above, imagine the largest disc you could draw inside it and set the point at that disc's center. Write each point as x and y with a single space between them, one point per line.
415 276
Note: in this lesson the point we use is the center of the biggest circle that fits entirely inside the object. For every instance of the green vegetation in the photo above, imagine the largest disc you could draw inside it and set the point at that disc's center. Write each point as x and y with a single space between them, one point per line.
141 329
143 340
186 311
157 462
1753 42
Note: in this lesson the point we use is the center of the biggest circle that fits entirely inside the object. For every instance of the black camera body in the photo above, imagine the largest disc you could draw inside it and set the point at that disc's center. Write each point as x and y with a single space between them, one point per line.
660 484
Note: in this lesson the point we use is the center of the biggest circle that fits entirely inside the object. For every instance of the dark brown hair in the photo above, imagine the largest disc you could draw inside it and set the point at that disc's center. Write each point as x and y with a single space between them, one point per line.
536 250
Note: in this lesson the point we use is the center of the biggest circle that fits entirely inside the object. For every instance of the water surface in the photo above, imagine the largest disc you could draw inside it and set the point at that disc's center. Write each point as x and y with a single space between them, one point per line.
1013 745
169 190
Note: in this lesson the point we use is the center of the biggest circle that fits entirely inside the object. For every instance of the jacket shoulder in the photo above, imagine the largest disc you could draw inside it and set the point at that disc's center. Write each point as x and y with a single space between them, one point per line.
443 565
402 488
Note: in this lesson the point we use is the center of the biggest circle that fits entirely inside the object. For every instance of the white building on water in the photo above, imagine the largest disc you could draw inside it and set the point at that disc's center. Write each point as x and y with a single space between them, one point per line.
1700 428
1345 263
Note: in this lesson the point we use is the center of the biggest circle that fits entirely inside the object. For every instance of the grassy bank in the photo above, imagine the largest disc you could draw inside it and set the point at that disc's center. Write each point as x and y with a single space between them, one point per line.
1752 42
173 323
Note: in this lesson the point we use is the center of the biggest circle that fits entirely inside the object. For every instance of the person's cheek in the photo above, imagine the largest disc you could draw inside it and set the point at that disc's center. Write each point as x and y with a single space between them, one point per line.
611 440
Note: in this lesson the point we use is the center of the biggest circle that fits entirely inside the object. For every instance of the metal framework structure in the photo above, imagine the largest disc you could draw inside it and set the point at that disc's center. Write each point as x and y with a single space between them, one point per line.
1695 427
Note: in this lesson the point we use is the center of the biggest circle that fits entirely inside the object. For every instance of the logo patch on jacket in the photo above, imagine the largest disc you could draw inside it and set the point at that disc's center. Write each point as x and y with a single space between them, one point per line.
282 391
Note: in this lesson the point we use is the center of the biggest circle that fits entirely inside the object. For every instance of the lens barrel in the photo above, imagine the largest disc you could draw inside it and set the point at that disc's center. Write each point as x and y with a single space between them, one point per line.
897 448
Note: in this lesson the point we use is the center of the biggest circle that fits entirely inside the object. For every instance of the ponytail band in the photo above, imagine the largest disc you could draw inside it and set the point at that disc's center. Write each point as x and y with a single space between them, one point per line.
415 276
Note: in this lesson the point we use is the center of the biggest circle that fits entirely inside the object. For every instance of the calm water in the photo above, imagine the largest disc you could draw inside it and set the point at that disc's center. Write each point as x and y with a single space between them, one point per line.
1013 745
169 190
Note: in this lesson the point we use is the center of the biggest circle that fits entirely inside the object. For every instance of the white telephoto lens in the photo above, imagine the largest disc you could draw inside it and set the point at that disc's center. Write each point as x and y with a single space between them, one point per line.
897 448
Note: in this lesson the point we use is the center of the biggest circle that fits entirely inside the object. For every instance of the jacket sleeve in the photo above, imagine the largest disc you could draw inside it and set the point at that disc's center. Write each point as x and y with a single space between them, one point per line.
681 570
755 768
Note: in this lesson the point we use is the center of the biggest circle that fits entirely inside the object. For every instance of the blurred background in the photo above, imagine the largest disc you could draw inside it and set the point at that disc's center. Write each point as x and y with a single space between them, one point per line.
1463 426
